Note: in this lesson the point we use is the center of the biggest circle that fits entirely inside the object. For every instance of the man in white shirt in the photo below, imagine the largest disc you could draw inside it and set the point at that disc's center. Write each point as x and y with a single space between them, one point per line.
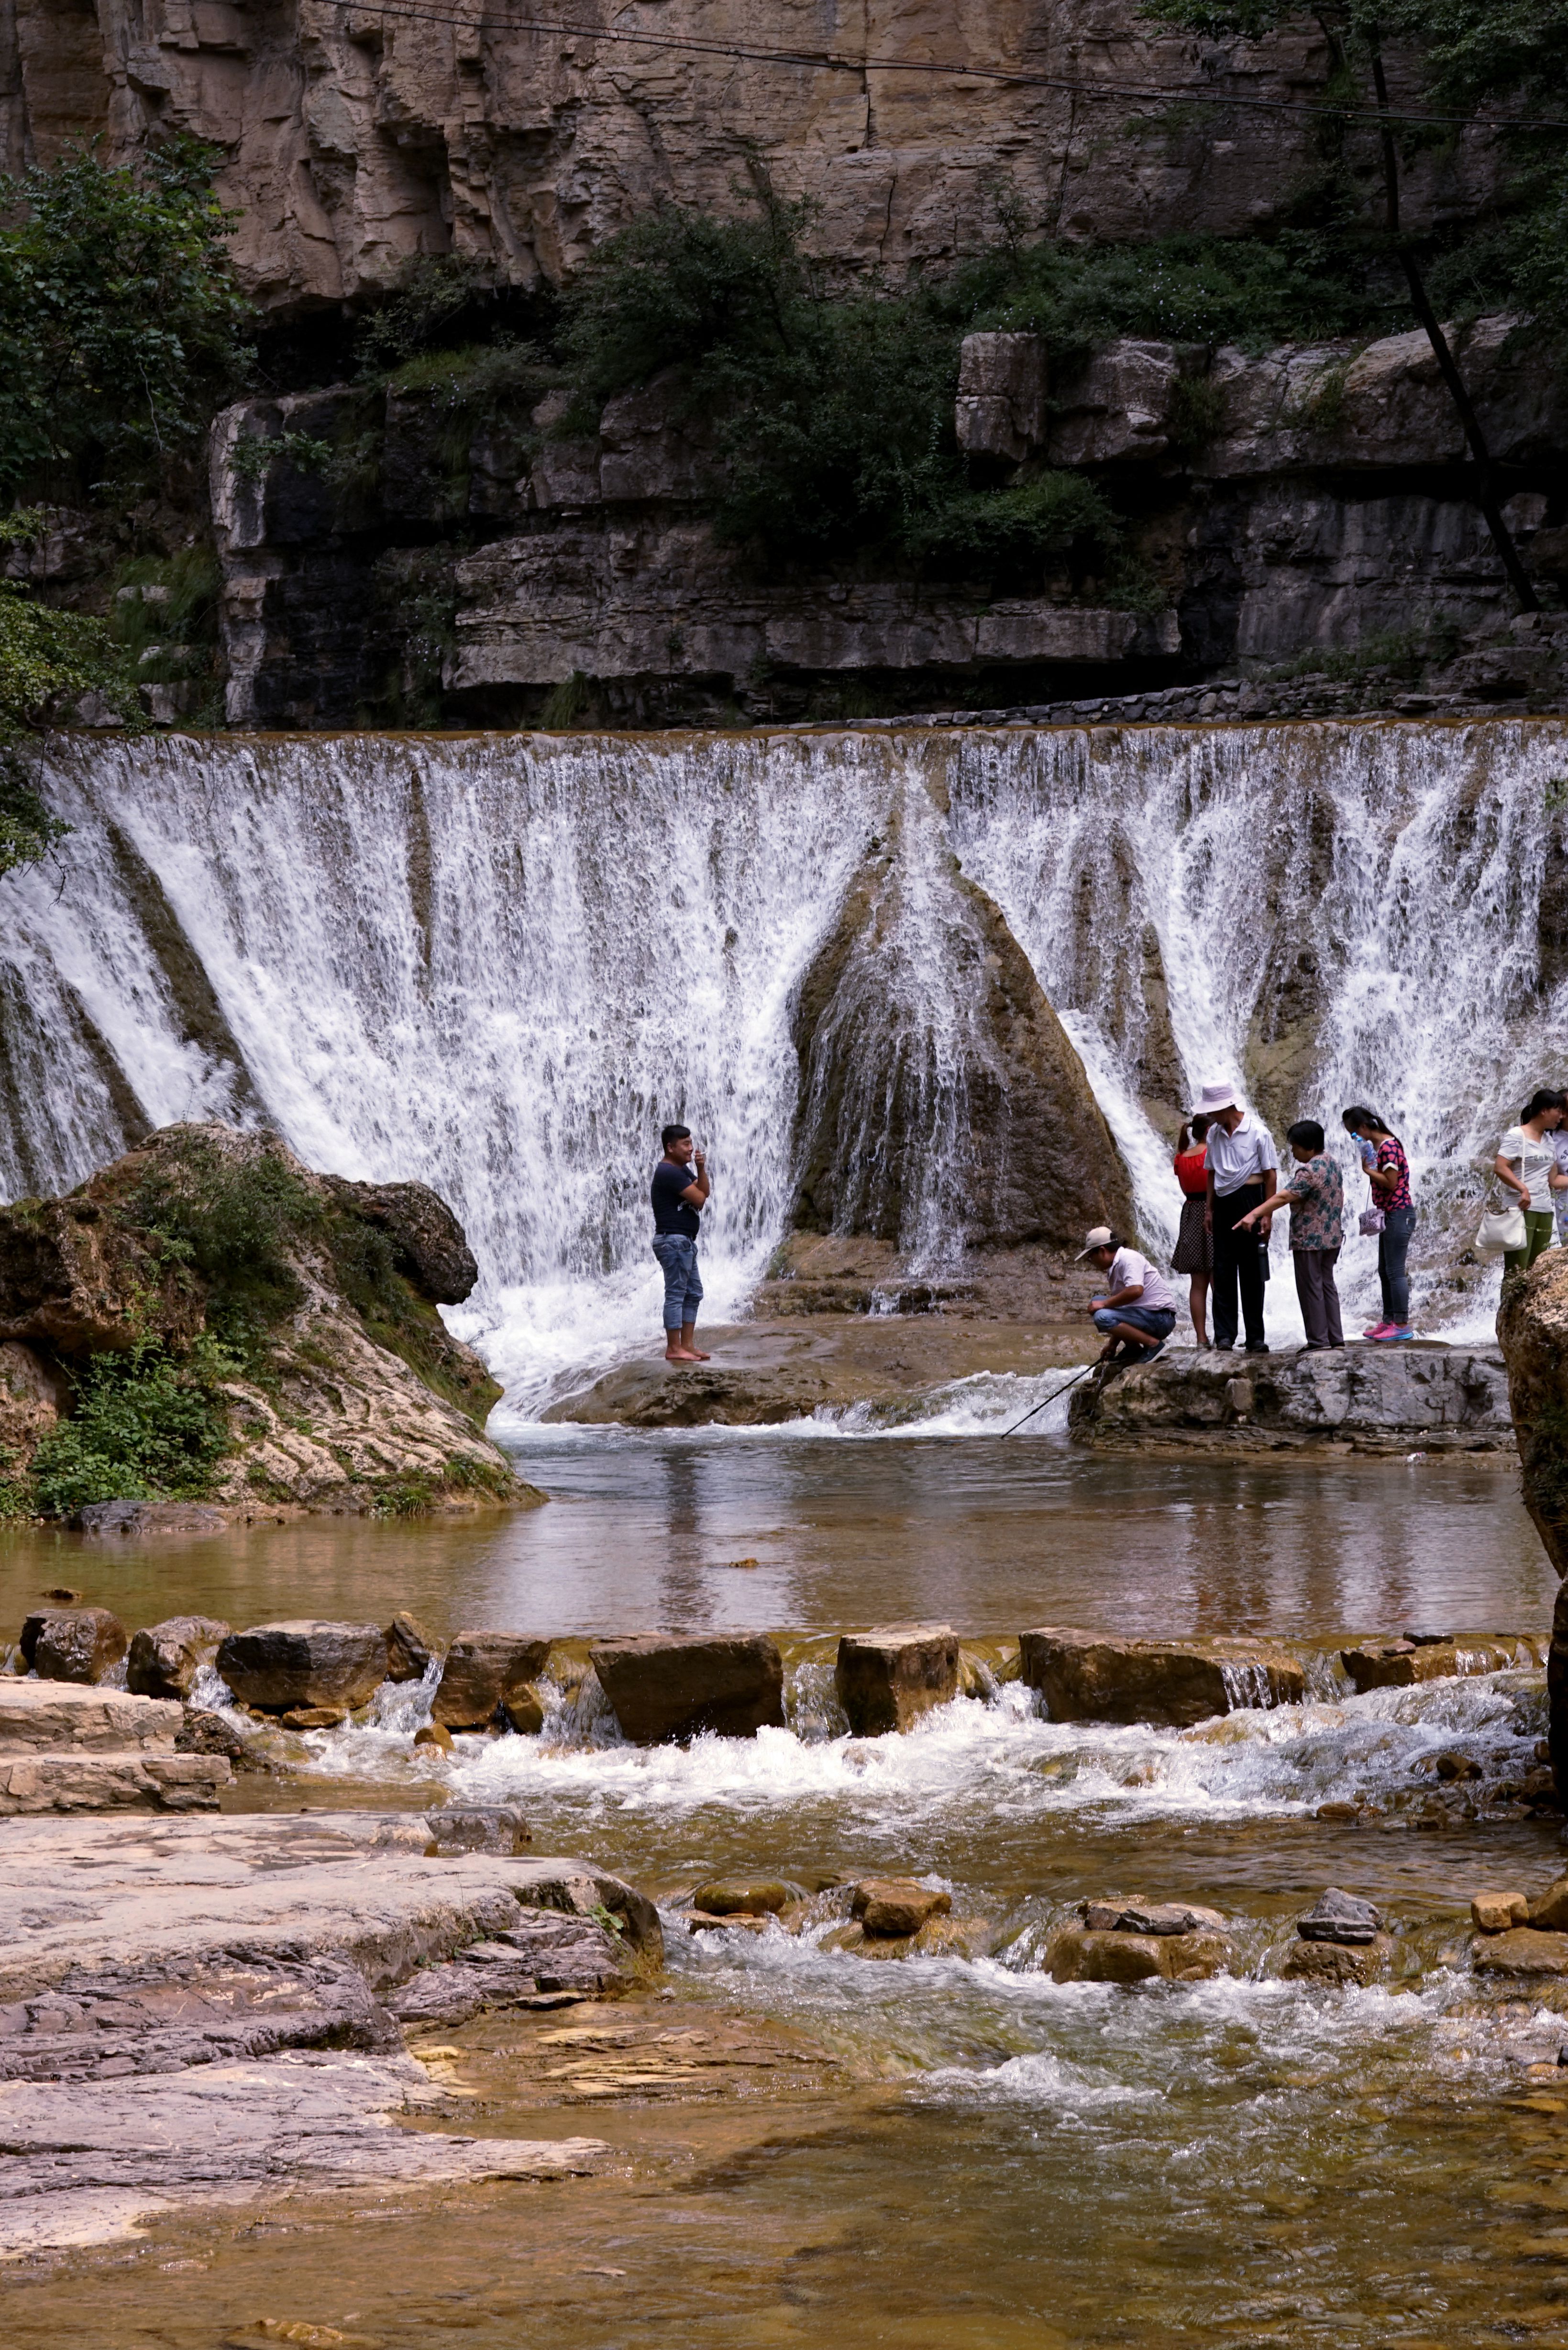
1138 1312
1242 1166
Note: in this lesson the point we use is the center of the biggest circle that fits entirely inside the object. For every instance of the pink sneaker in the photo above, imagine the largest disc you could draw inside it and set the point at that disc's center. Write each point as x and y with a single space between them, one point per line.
1377 1330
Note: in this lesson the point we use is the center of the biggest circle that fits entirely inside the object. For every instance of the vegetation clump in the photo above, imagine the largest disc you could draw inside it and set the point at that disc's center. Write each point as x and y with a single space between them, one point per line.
146 1424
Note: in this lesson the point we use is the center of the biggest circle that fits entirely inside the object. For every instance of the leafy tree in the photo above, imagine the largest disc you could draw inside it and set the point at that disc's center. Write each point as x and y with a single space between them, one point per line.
48 660
120 316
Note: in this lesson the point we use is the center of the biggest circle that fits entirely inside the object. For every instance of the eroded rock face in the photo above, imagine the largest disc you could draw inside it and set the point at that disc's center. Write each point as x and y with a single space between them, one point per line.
430 1247
165 1658
278 1668
886 1678
487 1674
346 157
665 1689
993 1134
1533 1329
73 1644
1084 1676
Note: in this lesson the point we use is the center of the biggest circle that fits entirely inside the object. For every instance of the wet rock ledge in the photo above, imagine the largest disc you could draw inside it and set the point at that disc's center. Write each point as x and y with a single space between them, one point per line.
1423 1397
207 1330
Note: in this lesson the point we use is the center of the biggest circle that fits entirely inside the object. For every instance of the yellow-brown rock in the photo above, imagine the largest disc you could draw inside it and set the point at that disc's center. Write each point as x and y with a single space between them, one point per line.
1341 1966
1495 1913
1526 1951
1083 1954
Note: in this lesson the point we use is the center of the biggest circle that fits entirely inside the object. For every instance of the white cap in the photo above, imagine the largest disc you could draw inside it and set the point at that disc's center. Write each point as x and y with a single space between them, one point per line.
1101 1237
1218 1095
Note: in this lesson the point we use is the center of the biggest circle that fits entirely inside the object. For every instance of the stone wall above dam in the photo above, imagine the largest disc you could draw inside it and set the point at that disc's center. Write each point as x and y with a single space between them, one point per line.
358 137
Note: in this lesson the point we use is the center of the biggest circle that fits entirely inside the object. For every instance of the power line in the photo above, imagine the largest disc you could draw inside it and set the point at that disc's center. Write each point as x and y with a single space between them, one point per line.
833 62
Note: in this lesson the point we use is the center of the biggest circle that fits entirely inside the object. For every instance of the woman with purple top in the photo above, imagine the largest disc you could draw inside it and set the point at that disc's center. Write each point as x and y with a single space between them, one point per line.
1389 1176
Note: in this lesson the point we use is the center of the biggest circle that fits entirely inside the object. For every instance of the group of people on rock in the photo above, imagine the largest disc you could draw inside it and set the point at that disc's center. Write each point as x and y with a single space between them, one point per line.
1229 1176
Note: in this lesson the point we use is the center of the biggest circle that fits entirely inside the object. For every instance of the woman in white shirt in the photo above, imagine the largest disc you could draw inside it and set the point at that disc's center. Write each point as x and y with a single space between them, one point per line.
1526 1162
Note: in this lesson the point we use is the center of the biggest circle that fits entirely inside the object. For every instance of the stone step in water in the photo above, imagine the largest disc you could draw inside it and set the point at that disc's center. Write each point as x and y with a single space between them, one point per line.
42 1716
145 1781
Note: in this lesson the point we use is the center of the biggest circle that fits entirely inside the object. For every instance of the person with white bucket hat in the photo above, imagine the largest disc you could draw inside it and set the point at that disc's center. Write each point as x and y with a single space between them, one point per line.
1242 1166
1137 1313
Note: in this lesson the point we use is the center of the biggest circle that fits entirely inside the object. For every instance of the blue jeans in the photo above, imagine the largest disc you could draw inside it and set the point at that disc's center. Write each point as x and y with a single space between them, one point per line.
1159 1321
682 1284
1393 1248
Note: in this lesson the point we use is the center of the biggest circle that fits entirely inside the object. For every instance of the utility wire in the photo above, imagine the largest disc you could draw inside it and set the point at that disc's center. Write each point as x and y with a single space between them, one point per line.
833 62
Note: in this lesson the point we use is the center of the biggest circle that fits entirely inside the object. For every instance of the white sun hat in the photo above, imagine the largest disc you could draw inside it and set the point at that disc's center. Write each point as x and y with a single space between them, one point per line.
1218 1095
1101 1237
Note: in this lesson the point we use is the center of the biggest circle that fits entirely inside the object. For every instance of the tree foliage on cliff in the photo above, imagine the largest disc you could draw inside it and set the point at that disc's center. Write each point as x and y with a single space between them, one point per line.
1500 61
120 316
833 410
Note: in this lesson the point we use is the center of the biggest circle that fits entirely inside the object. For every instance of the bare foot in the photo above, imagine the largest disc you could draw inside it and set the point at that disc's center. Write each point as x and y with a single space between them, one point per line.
680 1355
697 1355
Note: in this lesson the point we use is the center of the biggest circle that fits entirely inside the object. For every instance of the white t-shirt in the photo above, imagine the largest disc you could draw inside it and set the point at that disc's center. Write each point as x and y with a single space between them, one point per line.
1128 1270
1244 1157
1540 1163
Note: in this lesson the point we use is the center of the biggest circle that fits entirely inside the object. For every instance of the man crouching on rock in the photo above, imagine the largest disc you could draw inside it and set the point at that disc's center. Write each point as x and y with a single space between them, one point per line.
1137 1313
679 1198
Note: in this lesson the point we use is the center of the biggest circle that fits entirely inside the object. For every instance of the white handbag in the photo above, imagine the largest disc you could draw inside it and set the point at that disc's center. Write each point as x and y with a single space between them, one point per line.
1501 1230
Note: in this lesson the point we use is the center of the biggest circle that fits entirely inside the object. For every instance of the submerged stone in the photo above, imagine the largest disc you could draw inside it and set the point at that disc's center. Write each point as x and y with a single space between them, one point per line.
891 1906
664 1688
73 1644
483 1673
1086 1954
750 1896
1091 1677
888 1677
479 1827
278 1668
1337 1916
165 1658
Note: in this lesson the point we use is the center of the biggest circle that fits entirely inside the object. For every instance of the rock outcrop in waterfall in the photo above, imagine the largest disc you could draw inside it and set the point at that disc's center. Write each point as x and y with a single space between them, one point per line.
207 1319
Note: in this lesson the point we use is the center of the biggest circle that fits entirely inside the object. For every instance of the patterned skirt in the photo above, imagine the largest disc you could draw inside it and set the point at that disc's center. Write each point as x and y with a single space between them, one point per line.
1194 1248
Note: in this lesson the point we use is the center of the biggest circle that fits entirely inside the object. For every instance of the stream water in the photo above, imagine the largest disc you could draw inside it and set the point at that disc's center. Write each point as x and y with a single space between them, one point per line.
1005 2161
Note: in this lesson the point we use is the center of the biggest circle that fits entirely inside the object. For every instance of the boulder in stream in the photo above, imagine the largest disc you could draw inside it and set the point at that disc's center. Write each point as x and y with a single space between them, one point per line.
888 1677
165 1658
1090 1954
1402 1663
743 1897
73 1644
1091 1677
488 1675
278 1667
1433 1397
669 1688
410 1648
890 1906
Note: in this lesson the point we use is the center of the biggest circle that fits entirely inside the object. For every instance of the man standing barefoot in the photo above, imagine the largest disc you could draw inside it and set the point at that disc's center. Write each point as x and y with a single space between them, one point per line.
679 1198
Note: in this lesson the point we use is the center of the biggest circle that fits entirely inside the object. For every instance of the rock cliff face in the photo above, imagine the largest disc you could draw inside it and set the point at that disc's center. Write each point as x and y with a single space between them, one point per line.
1320 498
357 137
338 1386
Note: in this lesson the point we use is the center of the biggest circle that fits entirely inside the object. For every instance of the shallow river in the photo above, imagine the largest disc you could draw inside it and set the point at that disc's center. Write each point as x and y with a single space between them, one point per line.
1005 2161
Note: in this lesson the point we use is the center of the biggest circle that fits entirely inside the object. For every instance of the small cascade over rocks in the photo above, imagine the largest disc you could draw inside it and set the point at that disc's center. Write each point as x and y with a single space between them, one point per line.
495 964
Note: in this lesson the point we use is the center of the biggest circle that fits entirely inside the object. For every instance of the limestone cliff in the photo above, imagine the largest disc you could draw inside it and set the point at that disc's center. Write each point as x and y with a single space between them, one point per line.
358 137
206 1318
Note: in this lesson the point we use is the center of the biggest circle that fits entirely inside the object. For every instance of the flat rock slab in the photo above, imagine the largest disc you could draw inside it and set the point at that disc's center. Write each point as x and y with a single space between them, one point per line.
141 1782
886 1678
1086 1677
1361 1399
665 1688
88 2163
1401 1664
121 1892
1526 1951
38 1717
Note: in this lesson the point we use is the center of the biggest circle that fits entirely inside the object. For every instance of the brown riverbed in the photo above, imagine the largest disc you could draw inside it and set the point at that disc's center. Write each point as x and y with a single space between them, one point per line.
811 2148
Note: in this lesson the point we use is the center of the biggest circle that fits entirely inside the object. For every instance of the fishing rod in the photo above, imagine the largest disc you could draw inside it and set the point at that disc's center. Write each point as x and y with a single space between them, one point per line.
1052 1398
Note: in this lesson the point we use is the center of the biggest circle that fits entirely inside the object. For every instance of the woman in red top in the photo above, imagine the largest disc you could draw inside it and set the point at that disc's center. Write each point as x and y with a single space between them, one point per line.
1194 1248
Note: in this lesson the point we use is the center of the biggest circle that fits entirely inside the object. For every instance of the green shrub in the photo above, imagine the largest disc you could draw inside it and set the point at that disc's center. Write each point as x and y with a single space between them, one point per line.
255 455
229 1222
1051 515
147 1425
121 320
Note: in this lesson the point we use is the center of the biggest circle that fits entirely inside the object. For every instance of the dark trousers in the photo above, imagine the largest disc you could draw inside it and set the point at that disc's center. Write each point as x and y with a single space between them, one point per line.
1393 1249
1237 1265
1318 1295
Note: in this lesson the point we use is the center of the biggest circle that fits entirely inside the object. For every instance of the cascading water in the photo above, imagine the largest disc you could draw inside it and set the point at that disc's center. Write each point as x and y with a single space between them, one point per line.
498 963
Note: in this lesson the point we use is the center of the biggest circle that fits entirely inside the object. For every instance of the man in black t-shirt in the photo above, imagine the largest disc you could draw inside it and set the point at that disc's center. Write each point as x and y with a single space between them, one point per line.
680 1196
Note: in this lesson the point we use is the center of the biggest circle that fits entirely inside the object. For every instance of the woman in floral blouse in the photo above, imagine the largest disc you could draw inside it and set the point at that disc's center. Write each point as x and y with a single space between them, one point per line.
1316 1198
1389 1176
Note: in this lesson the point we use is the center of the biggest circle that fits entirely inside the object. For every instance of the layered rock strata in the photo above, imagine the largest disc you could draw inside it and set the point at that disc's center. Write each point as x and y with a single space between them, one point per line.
1324 501
64 1747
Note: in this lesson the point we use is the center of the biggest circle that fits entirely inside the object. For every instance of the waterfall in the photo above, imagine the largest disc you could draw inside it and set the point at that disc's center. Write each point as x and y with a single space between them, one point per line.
498 963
